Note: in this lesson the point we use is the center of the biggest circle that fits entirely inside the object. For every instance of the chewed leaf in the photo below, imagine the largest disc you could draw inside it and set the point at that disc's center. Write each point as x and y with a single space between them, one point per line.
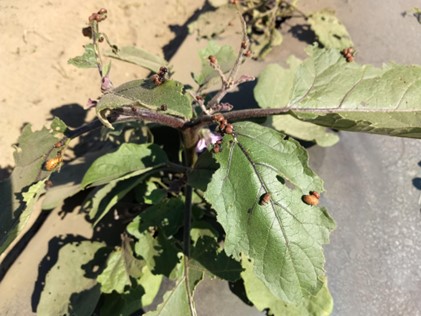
284 236
121 266
87 60
145 94
215 22
138 57
329 30
224 55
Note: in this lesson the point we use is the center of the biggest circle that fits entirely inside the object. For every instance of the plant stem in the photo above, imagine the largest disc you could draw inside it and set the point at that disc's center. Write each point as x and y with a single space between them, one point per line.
187 220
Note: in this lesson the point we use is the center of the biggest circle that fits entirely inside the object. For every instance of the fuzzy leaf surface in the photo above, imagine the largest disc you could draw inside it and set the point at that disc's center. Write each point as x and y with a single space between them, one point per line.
128 158
274 87
159 252
330 92
121 266
145 94
138 57
141 294
178 301
87 60
285 236
320 304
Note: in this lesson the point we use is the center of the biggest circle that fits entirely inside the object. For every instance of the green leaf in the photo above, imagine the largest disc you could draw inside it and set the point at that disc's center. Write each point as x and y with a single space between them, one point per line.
160 253
126 304
274 85
285 236
58 126
262 44
101 200
30 155
151 283
128 158
164 220
329 30
167 215
273 88
138 57
226 58
354 97
87 60
18 224
68 290
121 266
304 130
145 94
212 23
138 296
178 301
320 304
209 257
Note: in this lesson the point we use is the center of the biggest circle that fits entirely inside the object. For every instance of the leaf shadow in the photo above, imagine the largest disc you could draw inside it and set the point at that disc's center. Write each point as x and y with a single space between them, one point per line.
303 33
73 114
49 260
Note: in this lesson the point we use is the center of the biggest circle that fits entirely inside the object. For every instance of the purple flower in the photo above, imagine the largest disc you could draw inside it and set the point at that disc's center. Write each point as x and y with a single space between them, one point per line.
91 103
207 138
106 84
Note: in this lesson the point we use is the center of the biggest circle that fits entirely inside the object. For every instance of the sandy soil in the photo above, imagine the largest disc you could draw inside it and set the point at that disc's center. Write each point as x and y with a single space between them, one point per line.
39 37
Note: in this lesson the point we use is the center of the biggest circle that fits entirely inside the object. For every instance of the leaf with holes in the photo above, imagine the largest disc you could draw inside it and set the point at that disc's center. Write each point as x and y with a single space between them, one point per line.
87 60
284 237
329 30
121 267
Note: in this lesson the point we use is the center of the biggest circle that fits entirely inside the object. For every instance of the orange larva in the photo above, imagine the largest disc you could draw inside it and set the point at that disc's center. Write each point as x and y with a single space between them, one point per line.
53 163
229 129
264 199
212 59
218 117
310 199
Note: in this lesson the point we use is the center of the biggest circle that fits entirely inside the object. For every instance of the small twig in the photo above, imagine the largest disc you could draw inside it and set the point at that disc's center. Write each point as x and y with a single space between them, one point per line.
199 100
229 84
